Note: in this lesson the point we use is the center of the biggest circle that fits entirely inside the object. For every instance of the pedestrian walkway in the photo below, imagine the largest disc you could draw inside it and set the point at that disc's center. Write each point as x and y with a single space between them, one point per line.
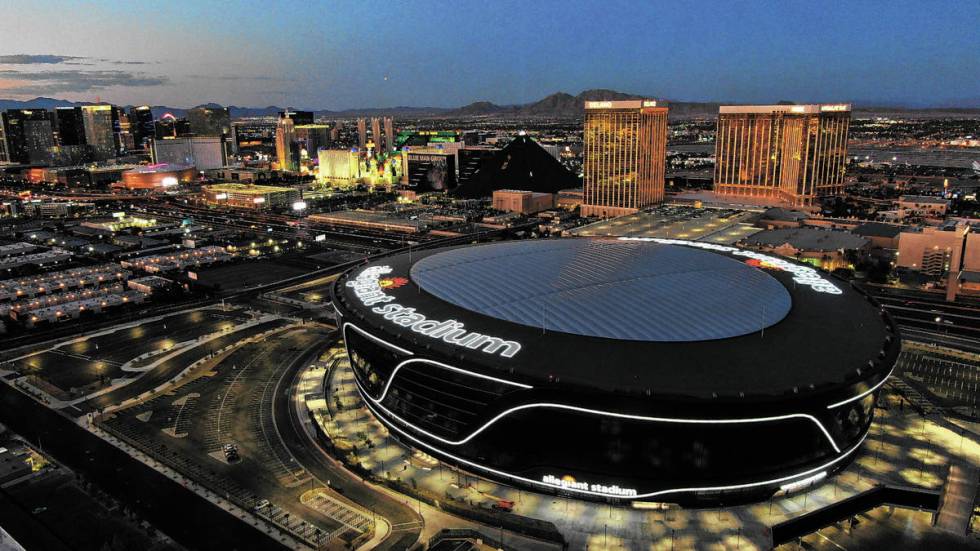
959 495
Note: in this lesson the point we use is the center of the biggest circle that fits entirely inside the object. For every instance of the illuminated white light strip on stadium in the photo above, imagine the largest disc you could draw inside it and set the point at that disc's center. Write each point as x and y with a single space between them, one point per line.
450 368
600 494
803 275
865 393
596 412
373 338
367 288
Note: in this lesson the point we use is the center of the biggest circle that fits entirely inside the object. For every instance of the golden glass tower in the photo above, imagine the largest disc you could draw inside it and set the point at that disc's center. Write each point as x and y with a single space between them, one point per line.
624 156
782 153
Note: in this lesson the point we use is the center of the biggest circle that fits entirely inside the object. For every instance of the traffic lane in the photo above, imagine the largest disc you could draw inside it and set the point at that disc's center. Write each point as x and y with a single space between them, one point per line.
314 458
169 369
930 305
191 520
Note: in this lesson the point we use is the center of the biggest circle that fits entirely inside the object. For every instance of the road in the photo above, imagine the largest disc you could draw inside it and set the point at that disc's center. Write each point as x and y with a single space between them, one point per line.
315 459
169 369
188 518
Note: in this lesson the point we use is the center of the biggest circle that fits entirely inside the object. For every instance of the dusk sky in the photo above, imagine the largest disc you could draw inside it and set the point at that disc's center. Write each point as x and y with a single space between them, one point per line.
339 55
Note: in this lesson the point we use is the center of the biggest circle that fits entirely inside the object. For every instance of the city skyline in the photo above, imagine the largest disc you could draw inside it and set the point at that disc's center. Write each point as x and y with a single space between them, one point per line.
188 54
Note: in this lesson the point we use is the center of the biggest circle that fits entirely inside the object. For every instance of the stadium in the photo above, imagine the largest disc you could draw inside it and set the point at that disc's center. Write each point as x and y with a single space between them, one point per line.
629 369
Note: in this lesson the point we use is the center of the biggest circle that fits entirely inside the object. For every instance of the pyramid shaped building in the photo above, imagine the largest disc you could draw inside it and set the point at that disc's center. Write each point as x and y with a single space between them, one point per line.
523 164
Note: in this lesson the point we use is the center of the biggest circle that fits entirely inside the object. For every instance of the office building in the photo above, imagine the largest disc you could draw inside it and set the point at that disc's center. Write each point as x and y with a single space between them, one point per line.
625 149
4 156
205 153
253 136
101 123
361 133
141 125
791 154
170 126
310 138
286 144
28 135
69 126
209 121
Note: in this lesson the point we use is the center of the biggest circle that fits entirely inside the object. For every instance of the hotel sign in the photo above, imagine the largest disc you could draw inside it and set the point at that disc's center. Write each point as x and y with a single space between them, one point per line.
369 287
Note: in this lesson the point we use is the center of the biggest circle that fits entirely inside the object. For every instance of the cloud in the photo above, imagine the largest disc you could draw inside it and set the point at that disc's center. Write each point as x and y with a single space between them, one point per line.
53 59
41 59
243 77
74 80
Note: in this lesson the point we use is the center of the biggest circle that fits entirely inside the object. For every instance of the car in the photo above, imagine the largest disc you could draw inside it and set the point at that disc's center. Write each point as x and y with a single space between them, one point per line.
231 453
262 504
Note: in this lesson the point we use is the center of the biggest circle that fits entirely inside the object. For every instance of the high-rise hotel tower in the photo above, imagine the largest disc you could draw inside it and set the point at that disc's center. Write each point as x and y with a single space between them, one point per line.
782 153
624 156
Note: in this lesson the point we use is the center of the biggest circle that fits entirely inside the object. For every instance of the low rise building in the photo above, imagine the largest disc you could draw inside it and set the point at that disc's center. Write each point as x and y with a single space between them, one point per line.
524 202
923 205
251 196
827 249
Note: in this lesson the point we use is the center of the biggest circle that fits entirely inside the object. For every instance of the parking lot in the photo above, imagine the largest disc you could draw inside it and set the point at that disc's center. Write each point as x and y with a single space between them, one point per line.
77 366
232 405
952 382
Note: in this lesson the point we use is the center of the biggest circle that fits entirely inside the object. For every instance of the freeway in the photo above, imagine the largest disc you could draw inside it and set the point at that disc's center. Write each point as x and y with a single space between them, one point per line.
315 460
928 317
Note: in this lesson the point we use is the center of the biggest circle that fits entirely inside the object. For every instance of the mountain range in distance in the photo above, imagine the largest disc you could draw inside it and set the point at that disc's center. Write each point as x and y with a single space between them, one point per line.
557 105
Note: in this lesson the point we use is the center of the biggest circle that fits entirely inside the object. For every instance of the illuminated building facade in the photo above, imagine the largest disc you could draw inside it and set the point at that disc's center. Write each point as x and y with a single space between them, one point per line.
141 125
548 383
254 136
286 144
361 133
157 177
782 153
204 152
339 165
625 149
376 134
389 134
101 124
251 196
310 138
28 135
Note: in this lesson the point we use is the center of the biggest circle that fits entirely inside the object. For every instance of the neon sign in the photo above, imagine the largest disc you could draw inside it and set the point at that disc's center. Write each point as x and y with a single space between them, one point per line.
802 275
569 483
369 287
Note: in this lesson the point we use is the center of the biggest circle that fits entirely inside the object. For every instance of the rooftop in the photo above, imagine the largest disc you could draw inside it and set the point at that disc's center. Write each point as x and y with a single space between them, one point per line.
807 239
793 109
256 189
612 289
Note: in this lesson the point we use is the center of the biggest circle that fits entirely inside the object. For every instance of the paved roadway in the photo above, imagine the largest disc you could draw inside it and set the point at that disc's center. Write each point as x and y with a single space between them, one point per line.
191 520
169 369
315 459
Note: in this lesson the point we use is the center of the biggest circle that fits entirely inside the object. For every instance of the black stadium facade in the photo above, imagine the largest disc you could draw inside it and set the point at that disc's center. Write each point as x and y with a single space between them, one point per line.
623 369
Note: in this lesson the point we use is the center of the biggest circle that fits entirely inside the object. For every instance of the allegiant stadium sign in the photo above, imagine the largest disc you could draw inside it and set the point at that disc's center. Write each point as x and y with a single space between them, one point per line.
368 289
802 275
